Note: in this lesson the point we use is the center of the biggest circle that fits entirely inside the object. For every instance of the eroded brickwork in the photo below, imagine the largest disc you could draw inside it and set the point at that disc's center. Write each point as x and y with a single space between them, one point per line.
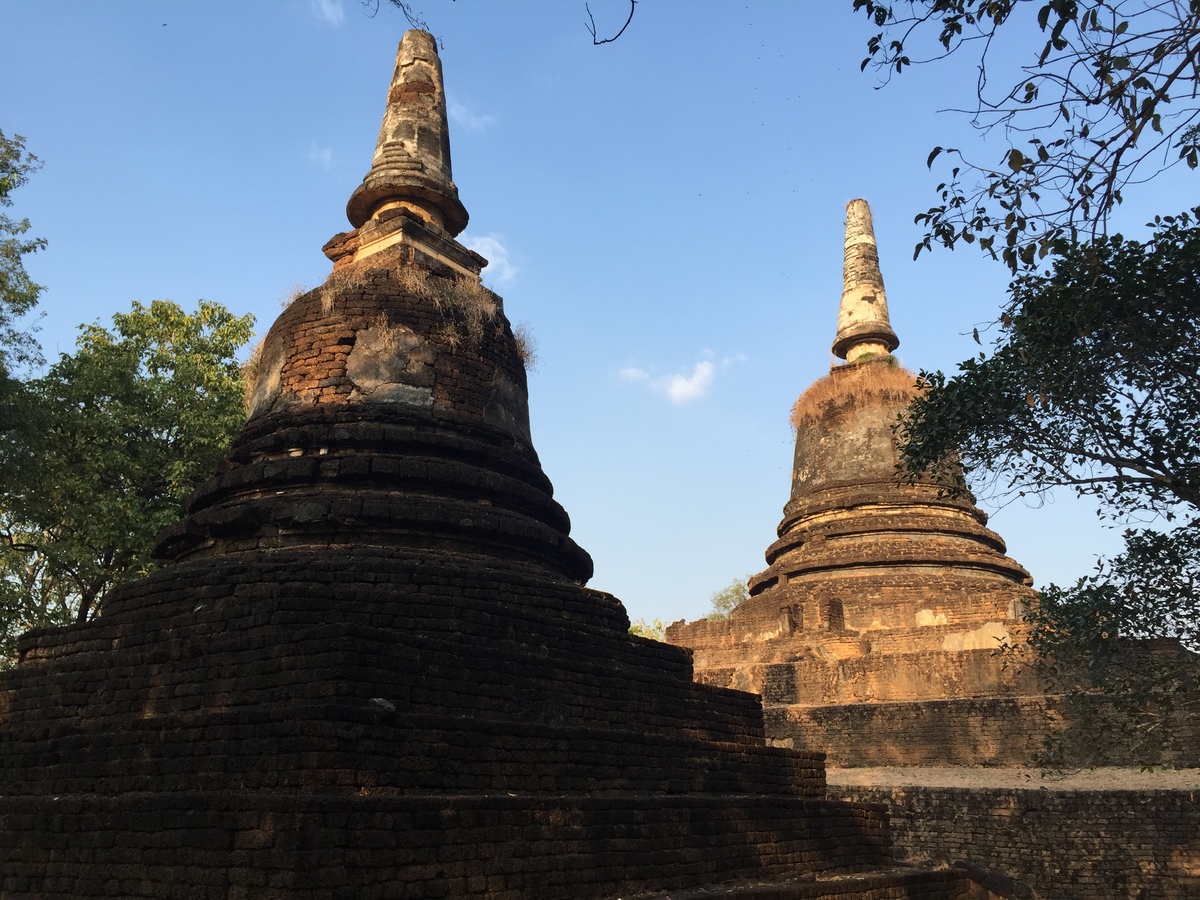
877 630
1066 845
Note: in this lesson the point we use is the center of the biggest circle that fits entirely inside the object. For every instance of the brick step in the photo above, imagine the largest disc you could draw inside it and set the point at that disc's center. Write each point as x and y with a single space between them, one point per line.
509 846
894 883
874 678
354 745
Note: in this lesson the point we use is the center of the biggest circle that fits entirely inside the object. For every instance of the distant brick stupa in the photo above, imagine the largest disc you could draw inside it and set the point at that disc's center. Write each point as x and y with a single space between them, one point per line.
368 666
872 632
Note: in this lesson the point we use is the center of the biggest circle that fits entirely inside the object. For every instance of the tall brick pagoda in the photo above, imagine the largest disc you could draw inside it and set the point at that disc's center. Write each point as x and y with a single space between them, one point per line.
872 632
368 666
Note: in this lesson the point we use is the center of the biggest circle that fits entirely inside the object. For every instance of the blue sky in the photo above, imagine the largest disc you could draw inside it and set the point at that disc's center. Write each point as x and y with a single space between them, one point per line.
665 212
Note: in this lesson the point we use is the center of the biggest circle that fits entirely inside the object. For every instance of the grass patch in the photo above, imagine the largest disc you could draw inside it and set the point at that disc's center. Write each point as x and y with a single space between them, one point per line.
348 280
250 371
466 306
527 345
853 386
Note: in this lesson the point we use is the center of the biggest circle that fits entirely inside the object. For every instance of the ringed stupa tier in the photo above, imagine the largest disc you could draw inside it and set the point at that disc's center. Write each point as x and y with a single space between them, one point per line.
880 592
368 666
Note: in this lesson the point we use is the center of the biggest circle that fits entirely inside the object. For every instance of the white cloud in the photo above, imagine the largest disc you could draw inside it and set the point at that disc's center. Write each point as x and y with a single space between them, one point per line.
682 387
328 11
500 269
465 118
322 157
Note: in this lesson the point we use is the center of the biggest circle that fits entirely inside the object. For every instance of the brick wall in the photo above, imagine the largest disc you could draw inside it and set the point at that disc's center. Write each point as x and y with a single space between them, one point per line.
236 847
1065 845
985 731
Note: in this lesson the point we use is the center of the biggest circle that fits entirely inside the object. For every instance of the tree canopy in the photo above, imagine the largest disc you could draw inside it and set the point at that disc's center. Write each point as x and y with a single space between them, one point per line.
18 293
654 629
117 436
728 598
1091 382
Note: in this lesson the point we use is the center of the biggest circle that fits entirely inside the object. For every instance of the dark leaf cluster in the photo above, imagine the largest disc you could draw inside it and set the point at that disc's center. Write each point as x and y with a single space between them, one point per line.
1093 382
1100 642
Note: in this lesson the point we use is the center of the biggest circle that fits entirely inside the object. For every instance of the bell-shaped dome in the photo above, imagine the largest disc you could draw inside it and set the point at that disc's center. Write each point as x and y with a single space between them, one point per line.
389 405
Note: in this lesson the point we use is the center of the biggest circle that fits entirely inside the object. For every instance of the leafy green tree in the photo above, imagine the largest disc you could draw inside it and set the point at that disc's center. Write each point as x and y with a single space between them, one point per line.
654 630
1106 98
18 293
727 598
1080 638
118 436
1093 384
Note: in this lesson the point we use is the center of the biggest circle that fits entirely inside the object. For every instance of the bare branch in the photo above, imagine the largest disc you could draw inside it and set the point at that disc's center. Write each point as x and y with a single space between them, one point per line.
413 17
1107 101
590 25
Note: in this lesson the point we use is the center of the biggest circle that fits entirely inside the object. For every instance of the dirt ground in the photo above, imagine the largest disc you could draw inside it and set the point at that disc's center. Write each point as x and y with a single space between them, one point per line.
1102 779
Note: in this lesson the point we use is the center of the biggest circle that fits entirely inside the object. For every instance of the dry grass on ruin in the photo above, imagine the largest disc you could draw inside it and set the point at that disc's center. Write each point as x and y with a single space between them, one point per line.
527 345
391 337
465 304
250 371
294 293
348 280
851 386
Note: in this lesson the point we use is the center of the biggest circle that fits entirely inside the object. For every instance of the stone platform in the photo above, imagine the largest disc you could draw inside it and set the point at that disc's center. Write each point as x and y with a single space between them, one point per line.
376 724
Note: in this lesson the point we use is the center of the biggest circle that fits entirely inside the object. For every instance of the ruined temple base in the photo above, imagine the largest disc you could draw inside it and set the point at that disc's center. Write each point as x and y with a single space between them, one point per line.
377 725
233 846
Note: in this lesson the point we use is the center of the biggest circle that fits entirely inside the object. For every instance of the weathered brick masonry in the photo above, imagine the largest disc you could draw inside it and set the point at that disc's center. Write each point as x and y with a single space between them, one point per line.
1072 845
369 668
873 633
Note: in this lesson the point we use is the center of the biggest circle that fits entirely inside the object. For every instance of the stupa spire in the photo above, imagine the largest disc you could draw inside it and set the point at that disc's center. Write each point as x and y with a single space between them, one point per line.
411 167
863 327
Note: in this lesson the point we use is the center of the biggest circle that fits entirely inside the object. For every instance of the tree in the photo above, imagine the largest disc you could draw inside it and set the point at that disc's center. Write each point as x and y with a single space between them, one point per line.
1108 99
119 434
1088 385
654 630
18 293
728 598
1080 642
1093 384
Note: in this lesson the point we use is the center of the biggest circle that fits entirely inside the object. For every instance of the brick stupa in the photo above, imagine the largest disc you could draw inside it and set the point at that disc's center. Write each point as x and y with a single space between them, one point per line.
368 666
872 632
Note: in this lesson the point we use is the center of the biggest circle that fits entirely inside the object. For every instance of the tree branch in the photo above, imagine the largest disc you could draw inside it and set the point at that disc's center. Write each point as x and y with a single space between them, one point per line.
590 25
